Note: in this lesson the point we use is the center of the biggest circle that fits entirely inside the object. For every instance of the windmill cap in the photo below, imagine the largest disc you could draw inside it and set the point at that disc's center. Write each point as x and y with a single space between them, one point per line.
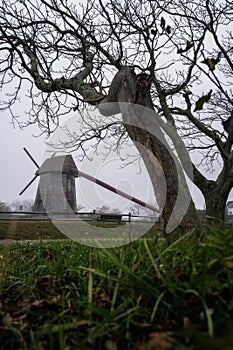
58 164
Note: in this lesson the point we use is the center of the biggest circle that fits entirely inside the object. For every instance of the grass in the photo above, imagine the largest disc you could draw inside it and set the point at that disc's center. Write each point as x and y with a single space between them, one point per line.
24 229
28 229
148 294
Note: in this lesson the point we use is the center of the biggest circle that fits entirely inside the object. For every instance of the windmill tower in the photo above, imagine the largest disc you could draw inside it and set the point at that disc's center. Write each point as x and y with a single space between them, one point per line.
56 191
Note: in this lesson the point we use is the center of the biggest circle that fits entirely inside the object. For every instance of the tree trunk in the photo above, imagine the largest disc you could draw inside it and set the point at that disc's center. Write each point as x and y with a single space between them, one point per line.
168 180
215 200
215 207
216 192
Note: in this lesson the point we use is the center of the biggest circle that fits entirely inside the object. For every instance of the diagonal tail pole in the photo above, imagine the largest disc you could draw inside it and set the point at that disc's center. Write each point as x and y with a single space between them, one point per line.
115 190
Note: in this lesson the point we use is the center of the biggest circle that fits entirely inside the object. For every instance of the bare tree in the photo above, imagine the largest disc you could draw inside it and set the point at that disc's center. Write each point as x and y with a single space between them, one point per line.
204 114
142 212
107 210
174 58
4 206
23 205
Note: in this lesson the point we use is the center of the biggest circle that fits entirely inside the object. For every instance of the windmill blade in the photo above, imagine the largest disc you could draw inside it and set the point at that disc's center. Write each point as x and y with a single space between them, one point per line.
29 155
28 185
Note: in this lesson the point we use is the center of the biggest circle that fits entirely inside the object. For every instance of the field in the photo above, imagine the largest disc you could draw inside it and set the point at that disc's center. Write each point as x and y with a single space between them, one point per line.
149 294
28 229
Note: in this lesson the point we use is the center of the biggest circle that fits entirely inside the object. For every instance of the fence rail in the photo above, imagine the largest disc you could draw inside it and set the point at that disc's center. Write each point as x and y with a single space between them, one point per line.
86 216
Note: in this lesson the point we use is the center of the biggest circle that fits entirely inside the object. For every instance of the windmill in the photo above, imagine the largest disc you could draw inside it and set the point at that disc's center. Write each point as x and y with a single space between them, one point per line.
56 190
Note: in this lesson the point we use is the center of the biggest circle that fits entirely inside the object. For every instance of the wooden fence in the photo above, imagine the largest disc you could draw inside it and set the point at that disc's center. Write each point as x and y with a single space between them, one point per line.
82 216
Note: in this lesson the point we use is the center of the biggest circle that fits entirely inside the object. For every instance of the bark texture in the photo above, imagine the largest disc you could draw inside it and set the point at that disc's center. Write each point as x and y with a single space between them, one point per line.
168 179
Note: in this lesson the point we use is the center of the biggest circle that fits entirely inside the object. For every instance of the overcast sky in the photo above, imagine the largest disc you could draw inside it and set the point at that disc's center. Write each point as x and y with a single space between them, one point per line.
16 167
18 170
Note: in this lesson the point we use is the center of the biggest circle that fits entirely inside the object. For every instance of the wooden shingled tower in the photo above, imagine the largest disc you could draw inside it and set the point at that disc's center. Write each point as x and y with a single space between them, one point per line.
56 191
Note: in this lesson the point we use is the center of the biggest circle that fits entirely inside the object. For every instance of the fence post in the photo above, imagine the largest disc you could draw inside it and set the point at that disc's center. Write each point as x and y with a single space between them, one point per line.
129 217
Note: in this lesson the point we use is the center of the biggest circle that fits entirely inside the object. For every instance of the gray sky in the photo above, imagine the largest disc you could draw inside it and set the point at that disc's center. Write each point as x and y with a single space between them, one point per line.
18 170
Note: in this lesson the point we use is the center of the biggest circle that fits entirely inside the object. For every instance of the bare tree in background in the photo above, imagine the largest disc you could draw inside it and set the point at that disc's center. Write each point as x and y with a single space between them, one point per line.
176 59
143 212
107 210
4 206
22 205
